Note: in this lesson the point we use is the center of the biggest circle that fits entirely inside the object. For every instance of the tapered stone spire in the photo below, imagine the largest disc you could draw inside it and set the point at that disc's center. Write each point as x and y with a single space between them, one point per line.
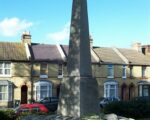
79 57
79 93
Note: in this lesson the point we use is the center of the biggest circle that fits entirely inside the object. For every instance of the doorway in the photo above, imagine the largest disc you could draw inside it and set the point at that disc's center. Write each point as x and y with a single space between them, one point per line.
124 95
131 91
24 91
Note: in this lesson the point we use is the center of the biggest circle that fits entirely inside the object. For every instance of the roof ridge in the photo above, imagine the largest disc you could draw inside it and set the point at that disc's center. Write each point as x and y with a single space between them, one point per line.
97 59
10 42
61 51
121 55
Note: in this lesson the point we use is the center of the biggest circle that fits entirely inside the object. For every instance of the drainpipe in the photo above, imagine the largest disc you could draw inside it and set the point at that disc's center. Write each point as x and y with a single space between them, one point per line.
32 82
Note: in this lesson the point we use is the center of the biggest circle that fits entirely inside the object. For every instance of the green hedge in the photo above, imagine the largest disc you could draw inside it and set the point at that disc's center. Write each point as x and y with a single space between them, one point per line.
11 115
7 115
133 109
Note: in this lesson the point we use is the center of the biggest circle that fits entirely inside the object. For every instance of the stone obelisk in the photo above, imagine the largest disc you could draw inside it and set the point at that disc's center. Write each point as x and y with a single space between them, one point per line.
79 90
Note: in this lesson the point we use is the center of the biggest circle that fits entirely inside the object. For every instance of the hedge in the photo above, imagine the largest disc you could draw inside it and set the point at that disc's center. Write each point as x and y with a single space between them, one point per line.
132 109
7 115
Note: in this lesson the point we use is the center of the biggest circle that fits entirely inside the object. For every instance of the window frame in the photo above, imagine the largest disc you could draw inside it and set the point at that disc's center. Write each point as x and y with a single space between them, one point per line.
142 88
107 89
124 71
60 70
8 92
110 69
45 75
37 93
3 68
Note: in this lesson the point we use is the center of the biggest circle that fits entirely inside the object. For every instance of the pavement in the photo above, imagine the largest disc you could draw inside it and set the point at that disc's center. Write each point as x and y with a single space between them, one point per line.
48 117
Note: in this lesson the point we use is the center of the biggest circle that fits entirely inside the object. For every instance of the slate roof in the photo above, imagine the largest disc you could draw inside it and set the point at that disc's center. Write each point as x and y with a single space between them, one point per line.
108 55
66 48
12 51
135 57
45 52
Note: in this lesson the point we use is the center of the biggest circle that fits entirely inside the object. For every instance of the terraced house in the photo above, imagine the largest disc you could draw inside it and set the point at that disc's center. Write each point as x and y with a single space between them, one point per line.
15 73
34 71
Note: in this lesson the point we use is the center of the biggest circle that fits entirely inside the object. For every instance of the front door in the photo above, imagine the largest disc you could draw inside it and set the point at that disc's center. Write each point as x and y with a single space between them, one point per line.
24 90
125 95
131 92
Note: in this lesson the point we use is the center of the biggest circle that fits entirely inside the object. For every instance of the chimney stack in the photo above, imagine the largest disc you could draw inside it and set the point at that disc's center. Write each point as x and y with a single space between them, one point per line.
137 47
26 38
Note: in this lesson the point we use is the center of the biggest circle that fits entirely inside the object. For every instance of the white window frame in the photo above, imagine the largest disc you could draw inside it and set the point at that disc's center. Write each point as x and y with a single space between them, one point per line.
110 69
3 69
124 71
141 89
107 88
60 70
39 84
8 92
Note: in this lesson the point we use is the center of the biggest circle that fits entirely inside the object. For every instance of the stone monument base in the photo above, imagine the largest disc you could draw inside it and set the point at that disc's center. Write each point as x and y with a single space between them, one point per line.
78 97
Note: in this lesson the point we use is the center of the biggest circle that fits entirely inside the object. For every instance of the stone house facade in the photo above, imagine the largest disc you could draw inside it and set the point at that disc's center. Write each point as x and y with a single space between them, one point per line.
34 71
14 73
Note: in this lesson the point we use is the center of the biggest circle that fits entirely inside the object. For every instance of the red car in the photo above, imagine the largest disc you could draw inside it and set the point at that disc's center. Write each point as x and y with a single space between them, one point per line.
35 107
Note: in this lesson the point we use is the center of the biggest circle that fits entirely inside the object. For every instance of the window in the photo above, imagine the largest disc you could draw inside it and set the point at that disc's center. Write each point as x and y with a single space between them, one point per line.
5 69
44 70
42 89
3 92
6 92
143 71
145 90
123 71
131 71
110 71
60 71
111 89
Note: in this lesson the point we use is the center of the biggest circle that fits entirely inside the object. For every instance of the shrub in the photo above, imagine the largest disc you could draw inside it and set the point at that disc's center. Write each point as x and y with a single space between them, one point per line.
24 114
7 115
134 109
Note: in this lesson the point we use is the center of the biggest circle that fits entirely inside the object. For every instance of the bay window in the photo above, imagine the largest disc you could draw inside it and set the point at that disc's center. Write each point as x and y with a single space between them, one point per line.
5 91
111 89
144 88
42 89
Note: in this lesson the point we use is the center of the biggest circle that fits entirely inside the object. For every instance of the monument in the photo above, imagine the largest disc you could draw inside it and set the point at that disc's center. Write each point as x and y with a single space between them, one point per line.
79 90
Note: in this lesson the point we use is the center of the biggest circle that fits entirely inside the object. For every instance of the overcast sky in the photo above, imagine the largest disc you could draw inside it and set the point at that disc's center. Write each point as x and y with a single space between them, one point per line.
116 23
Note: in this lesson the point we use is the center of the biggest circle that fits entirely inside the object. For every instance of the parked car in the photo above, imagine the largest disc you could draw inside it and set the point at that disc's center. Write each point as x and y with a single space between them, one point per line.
50 102
104 101
36 107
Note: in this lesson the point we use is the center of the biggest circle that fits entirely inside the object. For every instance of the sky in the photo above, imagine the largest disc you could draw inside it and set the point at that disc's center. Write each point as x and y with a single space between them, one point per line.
112 23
